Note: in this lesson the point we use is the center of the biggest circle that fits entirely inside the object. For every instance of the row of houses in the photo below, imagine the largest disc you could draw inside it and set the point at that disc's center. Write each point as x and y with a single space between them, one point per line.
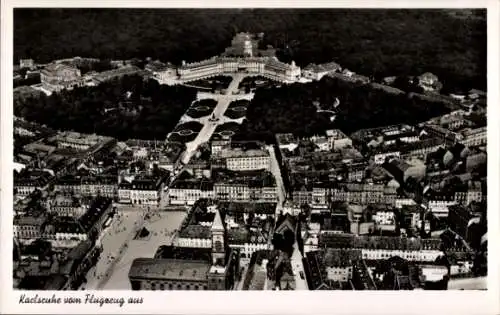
39 268
56 228
255 186
320 195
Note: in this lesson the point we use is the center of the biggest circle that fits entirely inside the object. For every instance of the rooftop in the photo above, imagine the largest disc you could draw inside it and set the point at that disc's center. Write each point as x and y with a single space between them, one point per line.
378 242
239 153
286 138
169 269
94 213
201 184
196 231
64 224
339 257
238 235
102 76
183 253
325 67
56 67
37 178
258 178
30 220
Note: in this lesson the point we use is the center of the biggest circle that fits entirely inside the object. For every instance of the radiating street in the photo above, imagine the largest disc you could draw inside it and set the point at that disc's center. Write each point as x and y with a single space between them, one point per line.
223 101
276 171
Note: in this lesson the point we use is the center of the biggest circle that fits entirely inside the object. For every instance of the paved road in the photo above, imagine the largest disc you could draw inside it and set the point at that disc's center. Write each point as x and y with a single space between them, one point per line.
275 170
238 286
223 101
161 227
298 266
124 226
480 283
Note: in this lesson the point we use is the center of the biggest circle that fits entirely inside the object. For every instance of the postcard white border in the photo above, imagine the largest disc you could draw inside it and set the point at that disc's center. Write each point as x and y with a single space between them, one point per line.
246 302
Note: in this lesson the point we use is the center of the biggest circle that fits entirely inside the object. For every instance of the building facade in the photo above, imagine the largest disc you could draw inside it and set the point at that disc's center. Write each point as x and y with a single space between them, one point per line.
60 76
268 67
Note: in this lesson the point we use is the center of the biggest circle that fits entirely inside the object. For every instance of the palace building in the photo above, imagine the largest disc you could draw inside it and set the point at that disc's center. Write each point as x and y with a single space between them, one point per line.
242 56
269 67
58 76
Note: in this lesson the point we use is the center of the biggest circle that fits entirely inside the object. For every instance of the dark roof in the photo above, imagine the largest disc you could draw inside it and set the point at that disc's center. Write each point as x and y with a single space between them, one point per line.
339 257
377 242
201 184
247 207
35 178
196 231
99 180
64 224
78 252
403 282
146 182
170 269
185 253
315 271
51 282
238 236
401 135
95 212
250 178
286 219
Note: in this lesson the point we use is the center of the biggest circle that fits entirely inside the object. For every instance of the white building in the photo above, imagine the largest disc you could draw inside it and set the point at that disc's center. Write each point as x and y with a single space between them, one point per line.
400 202
434 273
410 255
269 67
247 249
316 72
333 139
440 207
474 137
379 158
384 218
291 208
460 268
71 236
144 190
246 160
194 242
59 76
188 192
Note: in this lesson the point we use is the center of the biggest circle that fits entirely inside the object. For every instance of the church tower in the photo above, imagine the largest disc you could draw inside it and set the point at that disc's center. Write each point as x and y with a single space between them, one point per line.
218 243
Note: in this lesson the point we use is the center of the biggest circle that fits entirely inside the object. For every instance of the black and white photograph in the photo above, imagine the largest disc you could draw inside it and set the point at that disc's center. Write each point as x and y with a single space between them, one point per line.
248 149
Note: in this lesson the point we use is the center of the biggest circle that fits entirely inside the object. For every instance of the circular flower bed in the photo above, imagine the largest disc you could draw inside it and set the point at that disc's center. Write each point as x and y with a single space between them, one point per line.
227 133
236 113
198 112
192 126
231 126
185 132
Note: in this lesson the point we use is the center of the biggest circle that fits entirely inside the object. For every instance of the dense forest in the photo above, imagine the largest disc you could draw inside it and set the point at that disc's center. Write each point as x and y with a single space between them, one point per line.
291 109
375 43
126 108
